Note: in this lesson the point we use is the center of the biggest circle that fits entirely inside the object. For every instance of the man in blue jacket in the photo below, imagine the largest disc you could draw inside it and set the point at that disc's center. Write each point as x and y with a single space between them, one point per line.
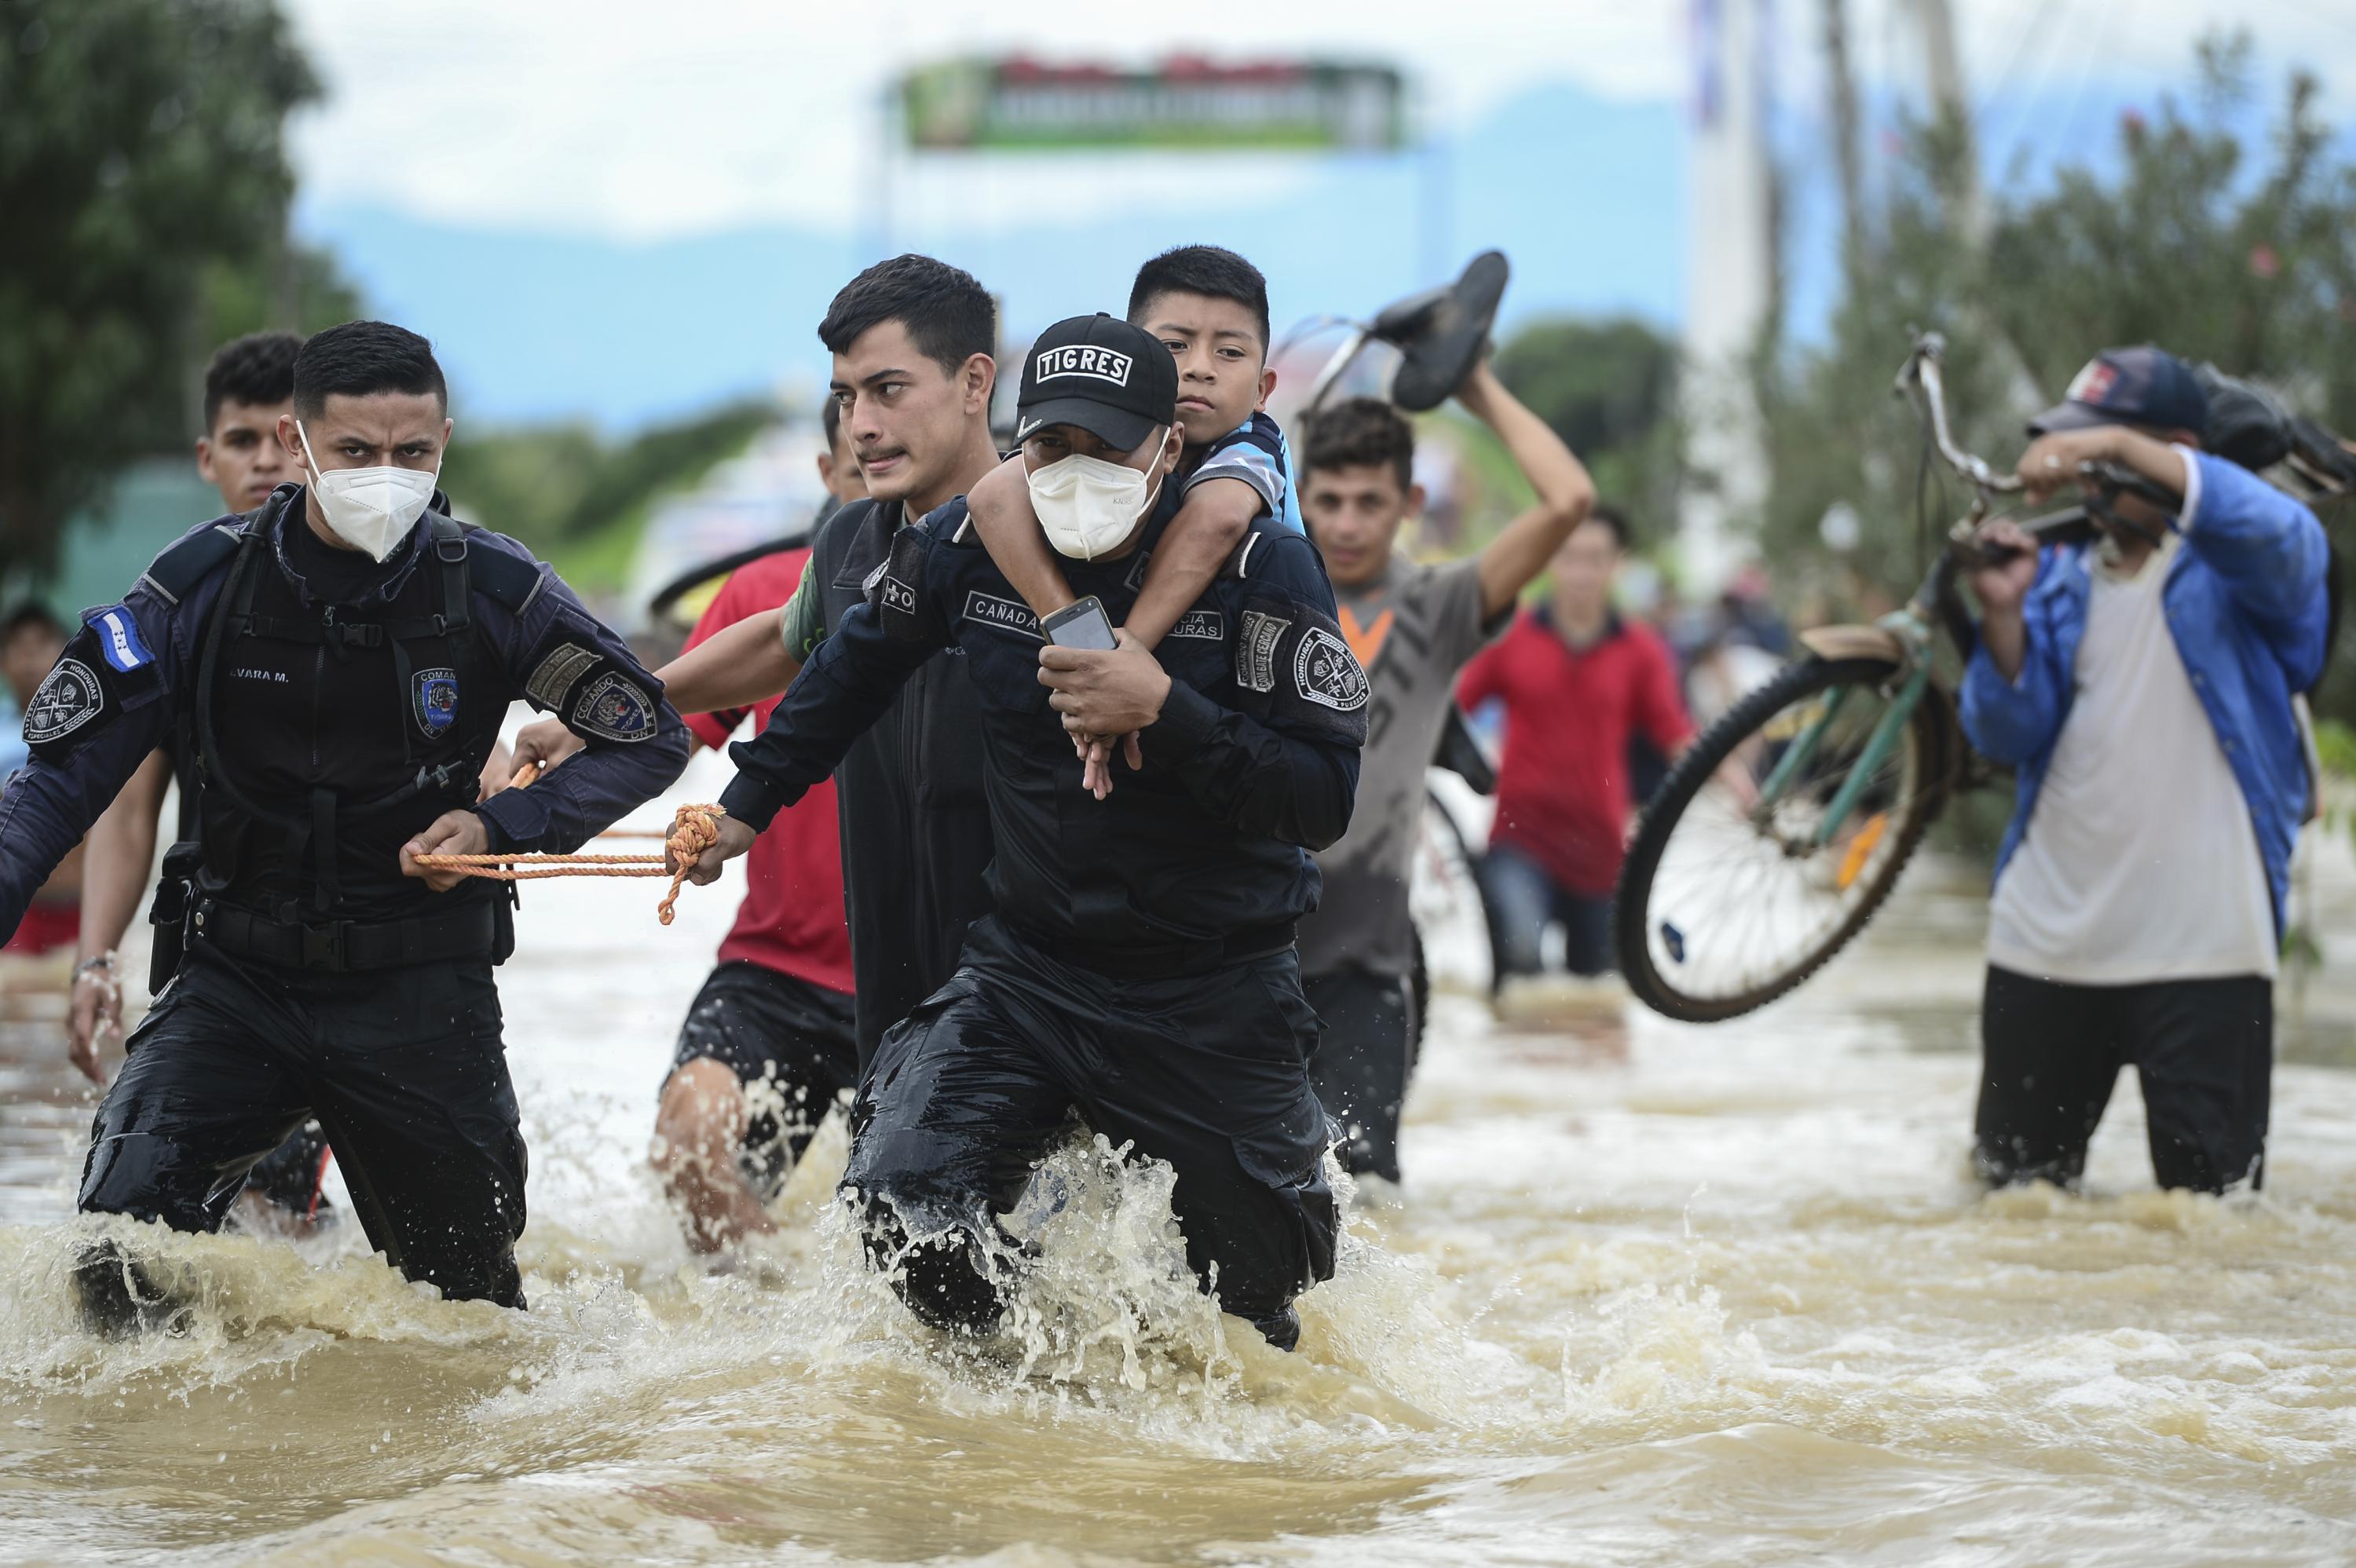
2142 688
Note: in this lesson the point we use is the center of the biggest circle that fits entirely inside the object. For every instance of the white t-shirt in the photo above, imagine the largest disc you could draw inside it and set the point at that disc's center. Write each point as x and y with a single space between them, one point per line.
2140 862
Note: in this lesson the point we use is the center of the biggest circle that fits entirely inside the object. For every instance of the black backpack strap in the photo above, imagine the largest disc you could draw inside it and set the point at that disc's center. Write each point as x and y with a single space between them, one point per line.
447 538
189 560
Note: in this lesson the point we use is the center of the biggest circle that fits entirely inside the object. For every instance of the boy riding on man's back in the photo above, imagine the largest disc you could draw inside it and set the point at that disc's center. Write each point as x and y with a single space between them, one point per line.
1209 307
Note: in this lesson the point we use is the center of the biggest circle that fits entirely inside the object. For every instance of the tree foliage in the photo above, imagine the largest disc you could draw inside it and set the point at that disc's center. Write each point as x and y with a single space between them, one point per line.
142 165
2192 238
553 485
1607 386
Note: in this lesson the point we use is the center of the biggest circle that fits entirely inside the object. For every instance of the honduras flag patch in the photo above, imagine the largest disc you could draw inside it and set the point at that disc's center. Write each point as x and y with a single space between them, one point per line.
435 694
118 639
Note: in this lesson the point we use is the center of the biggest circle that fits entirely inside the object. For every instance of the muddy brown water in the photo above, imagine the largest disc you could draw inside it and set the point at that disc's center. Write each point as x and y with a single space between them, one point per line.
1653 1296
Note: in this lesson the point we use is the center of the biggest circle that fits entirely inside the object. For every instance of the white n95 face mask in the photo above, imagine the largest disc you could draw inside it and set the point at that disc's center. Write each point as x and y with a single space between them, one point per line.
371 509
1088 505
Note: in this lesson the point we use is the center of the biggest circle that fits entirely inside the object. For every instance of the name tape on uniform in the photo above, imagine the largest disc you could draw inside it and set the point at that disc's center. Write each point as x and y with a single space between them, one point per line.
553 681
1255 649
1006 614
1209 625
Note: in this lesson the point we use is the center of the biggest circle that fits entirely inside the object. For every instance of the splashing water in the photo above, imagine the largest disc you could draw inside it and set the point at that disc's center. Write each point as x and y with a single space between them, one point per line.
1652 1295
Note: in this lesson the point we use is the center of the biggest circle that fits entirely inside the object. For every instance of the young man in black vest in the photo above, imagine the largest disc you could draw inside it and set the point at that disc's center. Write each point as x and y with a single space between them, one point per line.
342 663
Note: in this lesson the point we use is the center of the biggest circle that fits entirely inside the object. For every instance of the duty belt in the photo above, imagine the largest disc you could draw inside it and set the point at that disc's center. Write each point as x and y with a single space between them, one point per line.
346 945
1169 961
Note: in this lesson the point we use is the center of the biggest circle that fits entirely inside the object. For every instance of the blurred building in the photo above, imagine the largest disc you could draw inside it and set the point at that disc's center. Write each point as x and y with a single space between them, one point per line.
102 551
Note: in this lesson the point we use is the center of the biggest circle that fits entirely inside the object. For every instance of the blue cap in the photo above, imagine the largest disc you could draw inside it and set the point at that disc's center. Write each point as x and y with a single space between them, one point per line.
2144 386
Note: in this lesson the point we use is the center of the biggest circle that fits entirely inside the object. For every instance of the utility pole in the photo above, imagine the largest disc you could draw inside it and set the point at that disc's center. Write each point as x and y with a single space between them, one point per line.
1846 152
1942 76
1730 291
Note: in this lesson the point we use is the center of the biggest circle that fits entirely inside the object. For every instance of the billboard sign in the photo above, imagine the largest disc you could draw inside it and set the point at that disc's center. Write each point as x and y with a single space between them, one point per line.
1183 104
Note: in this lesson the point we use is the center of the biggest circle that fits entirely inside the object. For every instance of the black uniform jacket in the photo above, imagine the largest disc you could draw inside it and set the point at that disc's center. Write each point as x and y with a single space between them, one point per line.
1201 856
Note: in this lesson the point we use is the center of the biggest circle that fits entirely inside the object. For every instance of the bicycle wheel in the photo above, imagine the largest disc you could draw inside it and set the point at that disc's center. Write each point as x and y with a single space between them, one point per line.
1728 899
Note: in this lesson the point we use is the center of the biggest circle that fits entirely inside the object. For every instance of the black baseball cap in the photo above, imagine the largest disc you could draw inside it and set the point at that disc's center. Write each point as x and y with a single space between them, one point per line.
2144 386
1112 380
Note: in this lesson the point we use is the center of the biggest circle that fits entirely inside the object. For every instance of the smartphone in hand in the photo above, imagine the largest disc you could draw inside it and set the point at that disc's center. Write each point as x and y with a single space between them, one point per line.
1083 624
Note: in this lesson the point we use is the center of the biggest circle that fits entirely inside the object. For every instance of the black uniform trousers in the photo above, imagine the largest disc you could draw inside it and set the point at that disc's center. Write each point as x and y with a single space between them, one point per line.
1208 1072
2202 1049
1362 1069
404 1068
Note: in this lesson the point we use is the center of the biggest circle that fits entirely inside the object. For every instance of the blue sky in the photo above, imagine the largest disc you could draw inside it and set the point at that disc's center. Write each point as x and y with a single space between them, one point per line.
597 221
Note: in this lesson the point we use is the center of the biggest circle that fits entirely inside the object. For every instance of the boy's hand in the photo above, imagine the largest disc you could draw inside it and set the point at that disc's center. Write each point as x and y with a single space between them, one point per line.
1104 695
1096 756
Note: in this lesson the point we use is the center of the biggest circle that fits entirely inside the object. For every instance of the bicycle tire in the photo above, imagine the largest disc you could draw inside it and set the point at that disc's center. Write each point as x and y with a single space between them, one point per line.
1934 731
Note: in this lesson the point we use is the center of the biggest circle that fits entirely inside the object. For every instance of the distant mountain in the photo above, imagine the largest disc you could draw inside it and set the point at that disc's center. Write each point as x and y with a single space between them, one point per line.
1583 193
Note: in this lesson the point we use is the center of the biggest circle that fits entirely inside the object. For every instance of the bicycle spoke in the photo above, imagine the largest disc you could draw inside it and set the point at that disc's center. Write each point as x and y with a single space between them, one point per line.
1741 894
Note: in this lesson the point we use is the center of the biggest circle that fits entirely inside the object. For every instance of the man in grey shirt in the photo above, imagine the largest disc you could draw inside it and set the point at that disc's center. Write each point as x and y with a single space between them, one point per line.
1412 627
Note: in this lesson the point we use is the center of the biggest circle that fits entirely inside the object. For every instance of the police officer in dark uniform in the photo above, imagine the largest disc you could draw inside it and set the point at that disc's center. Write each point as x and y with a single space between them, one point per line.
339 661
1141 963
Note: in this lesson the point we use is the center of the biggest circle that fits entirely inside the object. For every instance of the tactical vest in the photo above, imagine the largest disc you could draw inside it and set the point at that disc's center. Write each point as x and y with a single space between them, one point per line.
915 822
323 736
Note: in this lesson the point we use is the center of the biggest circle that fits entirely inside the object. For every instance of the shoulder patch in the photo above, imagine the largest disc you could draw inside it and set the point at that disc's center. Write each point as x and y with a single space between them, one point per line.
1325 672
553 682
893 587
616 709
68 699
1255 649
119 642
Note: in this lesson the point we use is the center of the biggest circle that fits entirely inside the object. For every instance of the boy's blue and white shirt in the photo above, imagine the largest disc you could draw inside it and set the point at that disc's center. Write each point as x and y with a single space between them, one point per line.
1254 451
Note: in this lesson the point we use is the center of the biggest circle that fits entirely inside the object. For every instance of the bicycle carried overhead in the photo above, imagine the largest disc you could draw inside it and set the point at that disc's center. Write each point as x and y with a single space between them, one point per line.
1777 836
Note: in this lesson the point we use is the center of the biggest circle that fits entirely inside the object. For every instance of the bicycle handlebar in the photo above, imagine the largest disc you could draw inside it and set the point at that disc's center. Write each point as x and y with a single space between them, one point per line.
1922 371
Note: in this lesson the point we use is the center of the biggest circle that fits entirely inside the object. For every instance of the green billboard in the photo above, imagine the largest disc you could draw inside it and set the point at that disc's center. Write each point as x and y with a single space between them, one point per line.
1019 104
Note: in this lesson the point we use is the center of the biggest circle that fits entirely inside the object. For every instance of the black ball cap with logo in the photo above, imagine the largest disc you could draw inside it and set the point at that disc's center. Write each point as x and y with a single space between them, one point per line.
1112 380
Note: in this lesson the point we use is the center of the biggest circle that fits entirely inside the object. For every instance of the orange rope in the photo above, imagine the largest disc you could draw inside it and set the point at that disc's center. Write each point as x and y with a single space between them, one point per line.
695 829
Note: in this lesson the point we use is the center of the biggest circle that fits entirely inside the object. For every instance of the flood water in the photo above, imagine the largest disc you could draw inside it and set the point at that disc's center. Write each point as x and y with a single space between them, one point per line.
1655 1295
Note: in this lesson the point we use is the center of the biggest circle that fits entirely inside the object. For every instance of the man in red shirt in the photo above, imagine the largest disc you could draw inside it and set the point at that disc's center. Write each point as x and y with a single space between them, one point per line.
1576 682
768 1041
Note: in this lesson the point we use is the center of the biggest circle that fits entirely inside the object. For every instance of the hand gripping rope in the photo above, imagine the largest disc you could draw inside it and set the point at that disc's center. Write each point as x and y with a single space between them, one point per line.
695 829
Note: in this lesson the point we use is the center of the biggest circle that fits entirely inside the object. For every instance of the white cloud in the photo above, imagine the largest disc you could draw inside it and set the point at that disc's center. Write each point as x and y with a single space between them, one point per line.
612 117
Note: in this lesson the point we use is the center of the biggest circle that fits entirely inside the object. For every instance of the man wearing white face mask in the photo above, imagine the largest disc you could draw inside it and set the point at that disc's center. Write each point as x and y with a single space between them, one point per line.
1141 963
341 659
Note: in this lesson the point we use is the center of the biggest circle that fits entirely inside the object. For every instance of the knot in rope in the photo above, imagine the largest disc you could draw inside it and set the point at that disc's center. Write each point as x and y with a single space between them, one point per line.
693 829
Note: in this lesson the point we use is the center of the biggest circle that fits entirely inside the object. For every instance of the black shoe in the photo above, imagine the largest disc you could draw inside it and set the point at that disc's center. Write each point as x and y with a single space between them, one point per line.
1440 342
1281 1326
118 1299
